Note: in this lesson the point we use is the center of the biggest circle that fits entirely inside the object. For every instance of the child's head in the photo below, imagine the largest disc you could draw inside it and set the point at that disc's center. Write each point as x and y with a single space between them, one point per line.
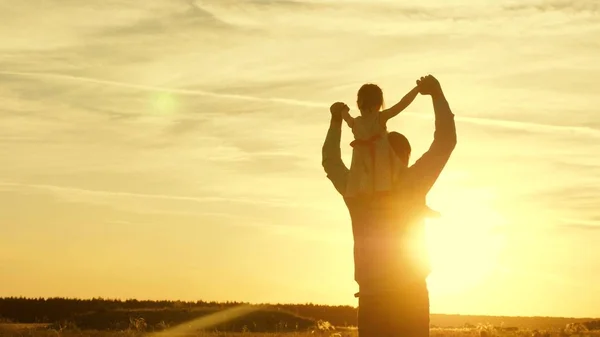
369 98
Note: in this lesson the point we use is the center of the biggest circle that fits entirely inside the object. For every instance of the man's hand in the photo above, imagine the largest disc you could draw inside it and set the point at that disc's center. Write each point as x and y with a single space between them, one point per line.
337 109
429 85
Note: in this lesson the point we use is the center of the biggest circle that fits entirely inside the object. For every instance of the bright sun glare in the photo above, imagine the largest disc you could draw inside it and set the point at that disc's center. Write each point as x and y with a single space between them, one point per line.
464 243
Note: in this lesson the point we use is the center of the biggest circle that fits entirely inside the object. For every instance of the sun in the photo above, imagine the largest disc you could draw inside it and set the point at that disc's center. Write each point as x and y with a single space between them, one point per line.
464 244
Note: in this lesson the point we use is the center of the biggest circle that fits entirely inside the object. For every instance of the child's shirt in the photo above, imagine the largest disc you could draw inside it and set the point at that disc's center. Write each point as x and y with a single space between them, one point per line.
375 166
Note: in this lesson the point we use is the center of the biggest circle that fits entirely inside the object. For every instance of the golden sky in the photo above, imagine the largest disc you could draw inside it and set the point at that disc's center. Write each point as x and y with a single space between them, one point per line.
171 149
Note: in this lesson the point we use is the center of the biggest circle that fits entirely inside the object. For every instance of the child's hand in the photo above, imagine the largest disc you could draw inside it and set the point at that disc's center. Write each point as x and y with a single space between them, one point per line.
337 109
428 85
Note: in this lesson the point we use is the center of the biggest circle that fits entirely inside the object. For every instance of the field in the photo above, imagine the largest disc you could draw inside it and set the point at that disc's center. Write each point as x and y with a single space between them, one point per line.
40 330
59 317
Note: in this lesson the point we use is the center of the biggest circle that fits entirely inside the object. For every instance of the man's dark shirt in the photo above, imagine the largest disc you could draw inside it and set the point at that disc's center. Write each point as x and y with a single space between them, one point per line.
389 241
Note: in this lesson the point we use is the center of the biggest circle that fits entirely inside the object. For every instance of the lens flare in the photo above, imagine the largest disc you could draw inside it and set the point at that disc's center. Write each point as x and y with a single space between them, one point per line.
207 321
164 103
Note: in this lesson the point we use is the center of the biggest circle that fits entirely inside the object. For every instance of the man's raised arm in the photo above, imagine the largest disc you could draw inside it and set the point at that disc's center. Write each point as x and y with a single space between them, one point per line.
427 169
332 162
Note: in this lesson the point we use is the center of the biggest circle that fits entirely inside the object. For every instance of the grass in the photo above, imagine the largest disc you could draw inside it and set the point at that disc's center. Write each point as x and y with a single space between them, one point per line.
43 330
115 318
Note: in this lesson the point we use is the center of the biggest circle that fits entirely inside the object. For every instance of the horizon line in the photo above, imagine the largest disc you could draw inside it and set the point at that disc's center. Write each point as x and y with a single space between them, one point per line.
276 304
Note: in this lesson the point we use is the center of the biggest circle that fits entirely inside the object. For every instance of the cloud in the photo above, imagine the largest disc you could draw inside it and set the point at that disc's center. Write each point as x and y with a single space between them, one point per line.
53 25
289 102
162 89
385 9
268 163
203 200
182 21
570 199
579 6
184 126
591 226
357 20
135 210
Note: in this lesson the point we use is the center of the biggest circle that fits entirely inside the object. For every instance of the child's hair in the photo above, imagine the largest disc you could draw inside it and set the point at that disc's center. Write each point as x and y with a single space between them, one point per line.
370 97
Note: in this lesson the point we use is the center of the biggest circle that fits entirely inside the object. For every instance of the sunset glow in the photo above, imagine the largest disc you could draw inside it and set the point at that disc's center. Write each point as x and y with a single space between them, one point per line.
172 149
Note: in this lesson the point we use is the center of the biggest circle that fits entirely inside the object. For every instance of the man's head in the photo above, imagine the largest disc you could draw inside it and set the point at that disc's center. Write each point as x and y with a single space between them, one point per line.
369 98
401 146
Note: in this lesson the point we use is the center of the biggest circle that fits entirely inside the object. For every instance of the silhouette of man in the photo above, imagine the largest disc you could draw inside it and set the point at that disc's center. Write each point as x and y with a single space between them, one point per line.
390 259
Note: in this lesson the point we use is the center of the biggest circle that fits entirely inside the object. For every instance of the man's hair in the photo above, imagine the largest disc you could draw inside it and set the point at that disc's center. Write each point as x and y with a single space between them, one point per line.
400 144
370 96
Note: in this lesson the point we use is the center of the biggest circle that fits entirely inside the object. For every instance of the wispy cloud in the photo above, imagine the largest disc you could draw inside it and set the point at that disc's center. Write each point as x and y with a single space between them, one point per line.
579 6
203 200
164 89
592 226
181 20
293 102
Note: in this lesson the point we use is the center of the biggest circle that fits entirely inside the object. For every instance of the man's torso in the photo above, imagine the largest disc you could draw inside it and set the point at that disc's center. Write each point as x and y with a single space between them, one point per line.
389 239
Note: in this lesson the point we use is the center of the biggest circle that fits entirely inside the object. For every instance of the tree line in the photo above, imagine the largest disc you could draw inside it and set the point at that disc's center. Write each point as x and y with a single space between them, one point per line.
51 310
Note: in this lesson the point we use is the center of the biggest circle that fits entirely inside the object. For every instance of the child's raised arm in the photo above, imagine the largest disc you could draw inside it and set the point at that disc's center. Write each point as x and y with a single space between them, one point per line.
346 116
392 112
